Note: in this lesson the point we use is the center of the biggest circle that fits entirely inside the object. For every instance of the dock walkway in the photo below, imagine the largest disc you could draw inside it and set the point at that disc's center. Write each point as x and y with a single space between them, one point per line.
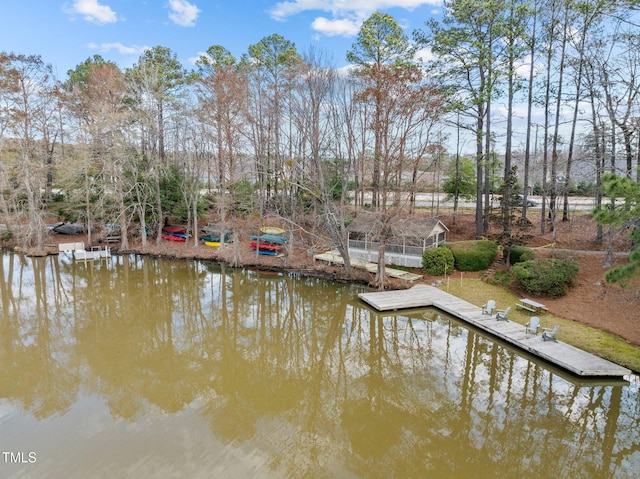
565 356
335 258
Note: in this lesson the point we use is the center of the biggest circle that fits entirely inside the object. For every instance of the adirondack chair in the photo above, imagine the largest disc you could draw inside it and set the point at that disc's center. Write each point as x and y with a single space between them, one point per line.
501 315
489 307
550 334
533 325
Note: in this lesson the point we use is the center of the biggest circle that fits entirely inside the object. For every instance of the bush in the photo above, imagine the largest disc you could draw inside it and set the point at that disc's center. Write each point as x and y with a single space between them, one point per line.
437 261
520 254
474 255
545 276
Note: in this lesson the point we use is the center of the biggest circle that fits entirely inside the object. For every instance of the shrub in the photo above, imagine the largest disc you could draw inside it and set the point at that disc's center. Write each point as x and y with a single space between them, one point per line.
520 254
474 255
437 261
545 276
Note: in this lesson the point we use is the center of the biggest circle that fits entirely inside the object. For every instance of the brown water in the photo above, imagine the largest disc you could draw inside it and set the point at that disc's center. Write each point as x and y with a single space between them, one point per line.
149 368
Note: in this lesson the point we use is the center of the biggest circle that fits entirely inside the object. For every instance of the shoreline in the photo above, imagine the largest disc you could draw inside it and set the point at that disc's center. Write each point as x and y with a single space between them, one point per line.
299 261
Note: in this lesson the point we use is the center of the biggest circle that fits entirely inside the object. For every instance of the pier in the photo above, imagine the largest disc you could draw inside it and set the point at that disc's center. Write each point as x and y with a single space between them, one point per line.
562 355
82 254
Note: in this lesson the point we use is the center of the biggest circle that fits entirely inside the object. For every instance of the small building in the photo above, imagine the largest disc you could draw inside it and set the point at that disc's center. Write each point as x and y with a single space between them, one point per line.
406 240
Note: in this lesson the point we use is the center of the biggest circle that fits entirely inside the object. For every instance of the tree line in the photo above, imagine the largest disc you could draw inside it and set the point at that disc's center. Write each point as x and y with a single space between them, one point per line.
279 130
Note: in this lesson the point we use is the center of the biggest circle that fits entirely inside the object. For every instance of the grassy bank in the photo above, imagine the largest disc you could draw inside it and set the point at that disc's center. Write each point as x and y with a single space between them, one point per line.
595 341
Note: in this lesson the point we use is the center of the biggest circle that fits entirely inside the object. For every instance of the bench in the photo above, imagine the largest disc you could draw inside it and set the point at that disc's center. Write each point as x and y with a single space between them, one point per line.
524 306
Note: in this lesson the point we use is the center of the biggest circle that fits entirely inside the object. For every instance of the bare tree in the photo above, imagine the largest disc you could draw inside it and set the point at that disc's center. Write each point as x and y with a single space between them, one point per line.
27 89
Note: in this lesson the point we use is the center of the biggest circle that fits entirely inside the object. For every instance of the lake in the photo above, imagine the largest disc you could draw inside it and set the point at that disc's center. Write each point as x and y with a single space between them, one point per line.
154 368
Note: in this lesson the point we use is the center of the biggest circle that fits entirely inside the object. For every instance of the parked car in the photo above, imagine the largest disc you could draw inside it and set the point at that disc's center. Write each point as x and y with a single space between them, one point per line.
530 202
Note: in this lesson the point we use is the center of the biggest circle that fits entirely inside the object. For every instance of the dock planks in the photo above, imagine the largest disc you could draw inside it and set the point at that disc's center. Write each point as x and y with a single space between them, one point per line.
565 356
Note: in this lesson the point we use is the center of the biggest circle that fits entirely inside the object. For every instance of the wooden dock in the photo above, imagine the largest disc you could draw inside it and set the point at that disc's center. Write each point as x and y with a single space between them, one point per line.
334 257
565 356
82 254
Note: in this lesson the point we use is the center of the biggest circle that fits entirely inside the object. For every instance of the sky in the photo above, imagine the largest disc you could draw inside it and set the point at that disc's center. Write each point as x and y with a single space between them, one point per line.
66 33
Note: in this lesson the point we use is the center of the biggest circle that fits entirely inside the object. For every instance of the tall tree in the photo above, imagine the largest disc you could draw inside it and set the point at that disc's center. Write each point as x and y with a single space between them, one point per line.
28 92
273 63
464 43
515 41
222 94
622 212
380 44
96 93
155 82
404 110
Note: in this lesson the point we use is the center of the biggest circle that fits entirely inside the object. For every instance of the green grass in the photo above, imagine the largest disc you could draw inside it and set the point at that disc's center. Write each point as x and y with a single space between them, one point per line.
603 344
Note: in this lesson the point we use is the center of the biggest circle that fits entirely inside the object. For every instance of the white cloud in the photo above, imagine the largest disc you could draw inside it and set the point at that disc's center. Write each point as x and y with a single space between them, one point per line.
119 47
424 55
343 27
346 16
339 8
92 11
183 13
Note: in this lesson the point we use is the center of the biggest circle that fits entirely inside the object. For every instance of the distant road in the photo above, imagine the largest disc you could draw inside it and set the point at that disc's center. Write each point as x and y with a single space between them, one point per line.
428 200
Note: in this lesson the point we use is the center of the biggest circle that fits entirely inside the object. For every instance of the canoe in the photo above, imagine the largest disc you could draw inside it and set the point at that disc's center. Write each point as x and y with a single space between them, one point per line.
170 237
265 246
69 228
172 229
272 230
267 238
212 243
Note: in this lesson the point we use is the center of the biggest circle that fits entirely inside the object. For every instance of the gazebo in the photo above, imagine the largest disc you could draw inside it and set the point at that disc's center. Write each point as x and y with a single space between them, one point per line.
406 239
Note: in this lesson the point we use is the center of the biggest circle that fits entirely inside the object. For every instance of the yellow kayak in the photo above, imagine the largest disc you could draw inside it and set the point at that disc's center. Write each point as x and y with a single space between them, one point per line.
212 243
272 230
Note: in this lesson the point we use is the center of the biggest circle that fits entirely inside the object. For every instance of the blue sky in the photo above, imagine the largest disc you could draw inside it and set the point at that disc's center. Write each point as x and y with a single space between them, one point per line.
65 33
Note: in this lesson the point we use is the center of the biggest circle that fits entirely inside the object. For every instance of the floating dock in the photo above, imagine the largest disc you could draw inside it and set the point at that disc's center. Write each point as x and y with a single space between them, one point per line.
334 257
565 356
81 254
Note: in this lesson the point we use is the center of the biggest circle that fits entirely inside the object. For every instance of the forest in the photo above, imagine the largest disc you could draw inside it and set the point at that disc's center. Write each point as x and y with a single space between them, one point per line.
536 87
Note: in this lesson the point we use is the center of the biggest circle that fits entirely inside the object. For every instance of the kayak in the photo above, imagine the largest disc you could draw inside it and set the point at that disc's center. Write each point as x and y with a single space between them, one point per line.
172 229
267 238
265 246
267 252
210 235
272 230
170 237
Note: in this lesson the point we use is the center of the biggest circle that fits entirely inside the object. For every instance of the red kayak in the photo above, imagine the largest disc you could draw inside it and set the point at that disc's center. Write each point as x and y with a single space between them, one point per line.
170 237
174 229
265 246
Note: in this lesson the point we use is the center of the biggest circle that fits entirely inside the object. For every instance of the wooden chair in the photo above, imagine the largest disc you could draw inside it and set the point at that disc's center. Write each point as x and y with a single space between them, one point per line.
502 315
550 333
489 307
533 325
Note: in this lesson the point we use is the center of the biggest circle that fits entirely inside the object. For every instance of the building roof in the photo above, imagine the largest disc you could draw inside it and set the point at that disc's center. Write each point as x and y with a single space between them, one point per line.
399 226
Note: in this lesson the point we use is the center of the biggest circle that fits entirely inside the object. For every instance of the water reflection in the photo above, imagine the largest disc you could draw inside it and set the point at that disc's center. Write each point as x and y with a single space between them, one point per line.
161 368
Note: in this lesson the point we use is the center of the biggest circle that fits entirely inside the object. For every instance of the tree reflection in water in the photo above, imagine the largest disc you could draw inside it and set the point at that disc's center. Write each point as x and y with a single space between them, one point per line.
297 371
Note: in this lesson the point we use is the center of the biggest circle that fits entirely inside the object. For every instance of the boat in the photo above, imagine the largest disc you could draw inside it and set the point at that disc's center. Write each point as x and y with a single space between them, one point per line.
265 246
214 236
173 229
268 238
69 228
180 238
272 230
265 252
212 243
